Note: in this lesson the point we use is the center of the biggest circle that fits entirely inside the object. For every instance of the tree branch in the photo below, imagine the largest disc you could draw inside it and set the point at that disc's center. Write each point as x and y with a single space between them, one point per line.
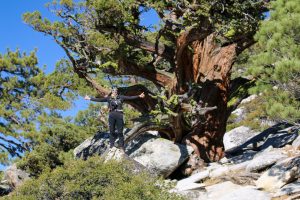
100 89
126 67
161 49
139 42
141 127
83 74
143 105
13 150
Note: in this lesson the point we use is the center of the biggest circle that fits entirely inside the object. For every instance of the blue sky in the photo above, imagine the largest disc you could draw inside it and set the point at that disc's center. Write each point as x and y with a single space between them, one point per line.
16 34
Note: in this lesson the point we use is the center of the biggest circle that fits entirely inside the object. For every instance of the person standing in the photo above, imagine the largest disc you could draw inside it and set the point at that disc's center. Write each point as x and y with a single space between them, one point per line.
116 115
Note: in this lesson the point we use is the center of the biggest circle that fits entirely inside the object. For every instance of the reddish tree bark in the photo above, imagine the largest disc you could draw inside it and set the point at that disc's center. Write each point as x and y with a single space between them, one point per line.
209 65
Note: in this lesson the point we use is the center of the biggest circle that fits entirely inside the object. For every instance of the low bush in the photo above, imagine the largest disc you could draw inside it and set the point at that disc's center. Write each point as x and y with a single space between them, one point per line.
92 179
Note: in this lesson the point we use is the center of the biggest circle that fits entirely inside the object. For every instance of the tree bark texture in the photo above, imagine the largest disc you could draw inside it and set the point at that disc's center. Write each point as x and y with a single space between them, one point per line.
206 63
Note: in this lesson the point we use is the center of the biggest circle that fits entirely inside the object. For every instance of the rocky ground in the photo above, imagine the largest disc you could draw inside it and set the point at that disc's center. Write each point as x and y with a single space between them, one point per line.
263 165
257 166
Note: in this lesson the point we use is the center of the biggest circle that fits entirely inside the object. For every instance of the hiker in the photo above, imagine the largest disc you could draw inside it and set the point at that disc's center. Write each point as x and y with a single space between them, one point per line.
115 117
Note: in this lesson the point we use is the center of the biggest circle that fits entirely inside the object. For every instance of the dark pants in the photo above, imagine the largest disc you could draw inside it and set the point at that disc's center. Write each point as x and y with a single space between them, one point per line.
116 122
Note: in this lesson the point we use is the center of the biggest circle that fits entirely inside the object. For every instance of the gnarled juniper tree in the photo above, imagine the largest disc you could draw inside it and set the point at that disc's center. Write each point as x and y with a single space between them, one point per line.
188 56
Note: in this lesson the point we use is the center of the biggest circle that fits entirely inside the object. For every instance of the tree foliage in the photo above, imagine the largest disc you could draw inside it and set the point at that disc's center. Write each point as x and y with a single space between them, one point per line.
53 145
276 64
103 33
17 112
28 96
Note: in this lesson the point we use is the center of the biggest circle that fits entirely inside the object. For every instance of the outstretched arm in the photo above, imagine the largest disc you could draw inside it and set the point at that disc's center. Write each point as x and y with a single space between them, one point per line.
105 99
133 97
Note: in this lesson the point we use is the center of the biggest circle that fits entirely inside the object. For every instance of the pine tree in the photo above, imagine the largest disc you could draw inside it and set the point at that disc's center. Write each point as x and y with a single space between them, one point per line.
276 66
28 96
17 111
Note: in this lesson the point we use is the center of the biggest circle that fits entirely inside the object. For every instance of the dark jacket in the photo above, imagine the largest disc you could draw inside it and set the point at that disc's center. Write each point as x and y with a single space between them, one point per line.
115 104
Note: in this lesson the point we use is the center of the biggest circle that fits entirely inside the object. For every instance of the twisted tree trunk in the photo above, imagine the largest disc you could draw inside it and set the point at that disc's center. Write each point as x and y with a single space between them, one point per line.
209 65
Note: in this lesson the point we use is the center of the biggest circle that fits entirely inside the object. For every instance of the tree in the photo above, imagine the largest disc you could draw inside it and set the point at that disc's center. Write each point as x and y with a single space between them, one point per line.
16 113
276 64
188 58
27 96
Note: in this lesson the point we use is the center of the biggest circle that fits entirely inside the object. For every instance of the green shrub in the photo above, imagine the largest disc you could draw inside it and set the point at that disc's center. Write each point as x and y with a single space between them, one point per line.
54 145
42 158
92 179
